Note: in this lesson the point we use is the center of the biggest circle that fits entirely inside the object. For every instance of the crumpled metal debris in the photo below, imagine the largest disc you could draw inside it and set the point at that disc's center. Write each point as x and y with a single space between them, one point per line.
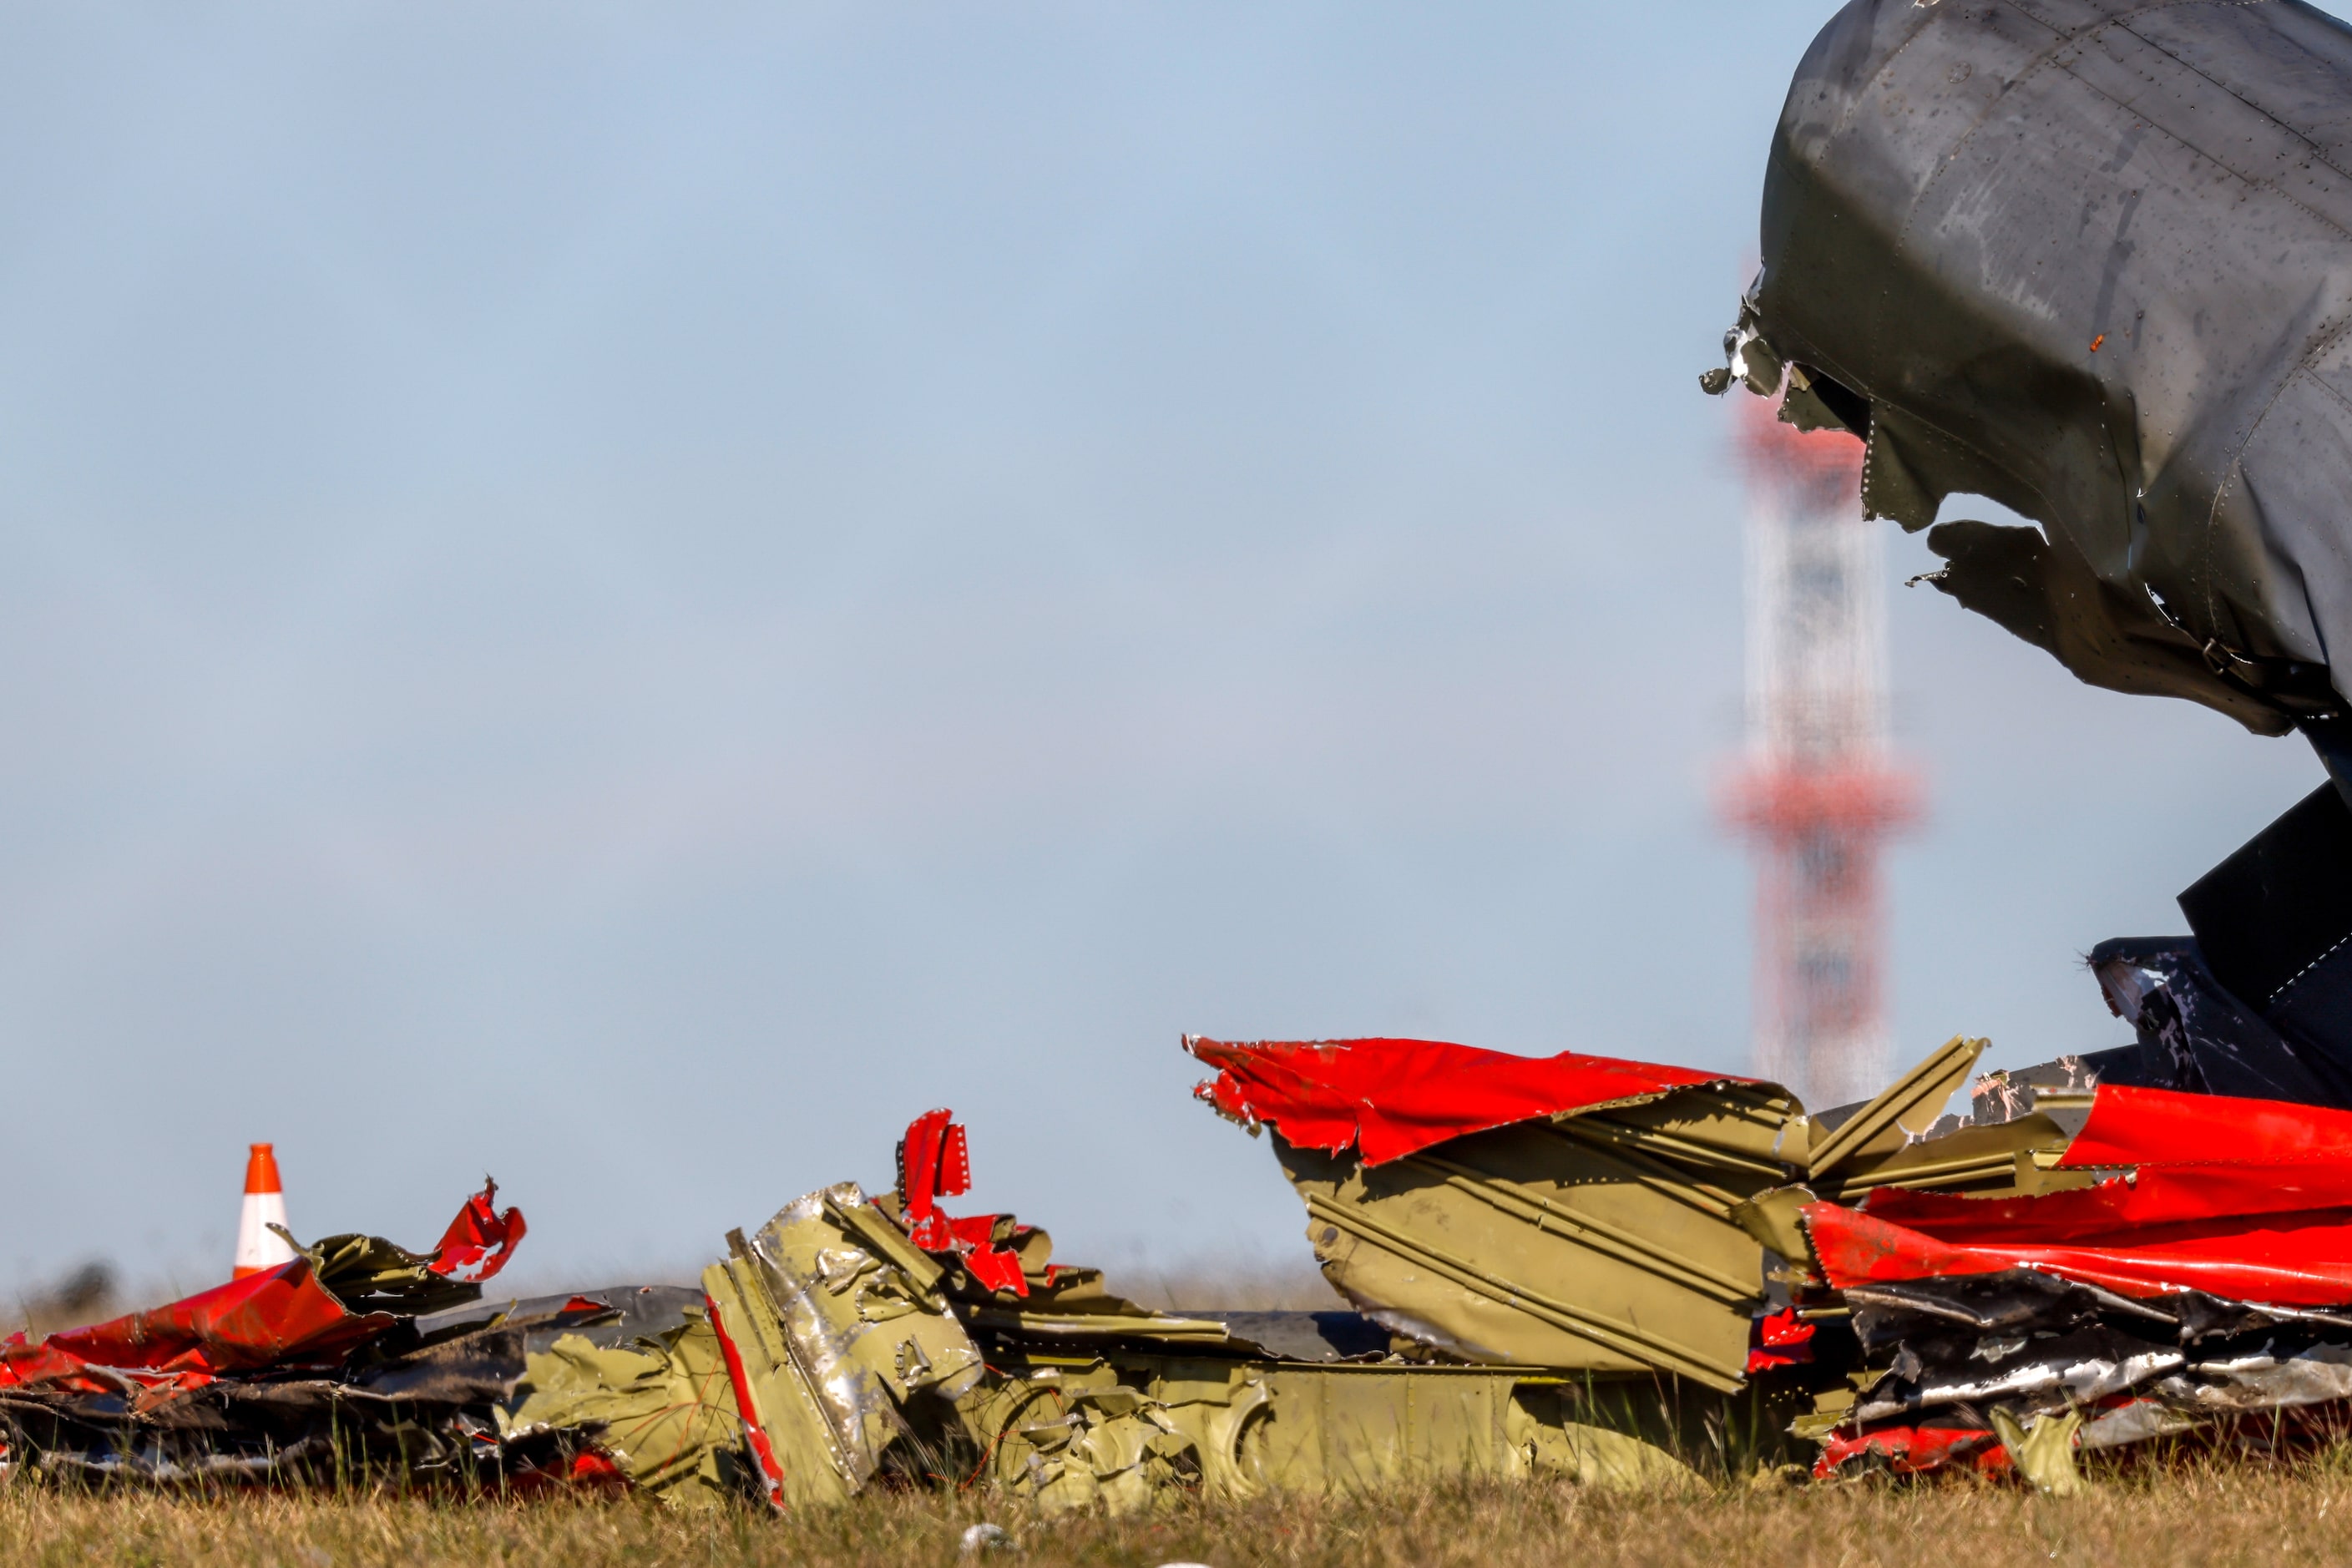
2207 1276
852 1342
857 1341
1570 1213
860 1355
2131 1263
659 1409
2149 1242
256 1378
1581 1213
2186 1269
845 1360
1626 1274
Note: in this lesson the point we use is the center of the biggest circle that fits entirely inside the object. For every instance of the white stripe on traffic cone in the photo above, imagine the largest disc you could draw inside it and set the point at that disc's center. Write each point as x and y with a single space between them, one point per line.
258 1248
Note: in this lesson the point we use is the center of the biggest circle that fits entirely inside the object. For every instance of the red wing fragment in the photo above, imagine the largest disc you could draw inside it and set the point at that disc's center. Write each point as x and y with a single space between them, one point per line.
1392 1097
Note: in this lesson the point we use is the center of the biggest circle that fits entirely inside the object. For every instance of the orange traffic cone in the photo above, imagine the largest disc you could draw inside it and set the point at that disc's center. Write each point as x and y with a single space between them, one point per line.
258 1248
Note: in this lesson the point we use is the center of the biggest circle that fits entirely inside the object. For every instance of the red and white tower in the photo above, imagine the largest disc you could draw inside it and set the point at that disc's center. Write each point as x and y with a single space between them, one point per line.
1818 793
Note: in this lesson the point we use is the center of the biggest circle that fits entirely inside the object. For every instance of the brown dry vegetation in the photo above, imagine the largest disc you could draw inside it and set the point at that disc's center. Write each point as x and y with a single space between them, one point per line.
2210 1514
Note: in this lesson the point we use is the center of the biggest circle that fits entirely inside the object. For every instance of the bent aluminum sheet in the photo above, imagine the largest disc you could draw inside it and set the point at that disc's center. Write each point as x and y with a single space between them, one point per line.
1578 1212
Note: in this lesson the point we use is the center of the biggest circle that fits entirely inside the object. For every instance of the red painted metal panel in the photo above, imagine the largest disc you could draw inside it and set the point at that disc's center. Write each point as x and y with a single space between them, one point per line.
2147 1127
2283 1260
1390 1098
935 1161
280 1319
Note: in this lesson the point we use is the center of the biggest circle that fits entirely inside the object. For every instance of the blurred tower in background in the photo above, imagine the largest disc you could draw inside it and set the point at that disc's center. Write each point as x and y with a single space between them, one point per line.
1818 793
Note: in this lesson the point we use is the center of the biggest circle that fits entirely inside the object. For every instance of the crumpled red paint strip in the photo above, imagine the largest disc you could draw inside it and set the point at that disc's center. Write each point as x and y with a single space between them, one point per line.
2246 1199
2162 1127
1914 1450
1780 1339
480 1239
935 1162
2257 1261
1391 1098
283 1318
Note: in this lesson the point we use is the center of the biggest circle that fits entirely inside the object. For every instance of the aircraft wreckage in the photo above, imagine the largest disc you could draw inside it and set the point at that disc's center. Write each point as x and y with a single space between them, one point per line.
1628 1274
2091 259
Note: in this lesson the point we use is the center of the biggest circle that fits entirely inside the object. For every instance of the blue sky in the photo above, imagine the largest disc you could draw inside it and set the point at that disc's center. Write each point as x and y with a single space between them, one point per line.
631 596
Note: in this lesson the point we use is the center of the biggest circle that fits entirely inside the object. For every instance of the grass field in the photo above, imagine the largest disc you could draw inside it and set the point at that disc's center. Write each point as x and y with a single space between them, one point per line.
2200 1510
2210 1514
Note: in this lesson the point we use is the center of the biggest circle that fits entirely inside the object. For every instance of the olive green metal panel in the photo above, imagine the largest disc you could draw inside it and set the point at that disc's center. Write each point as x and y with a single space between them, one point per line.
1356 1431
1598 1244
803 1466
662 1409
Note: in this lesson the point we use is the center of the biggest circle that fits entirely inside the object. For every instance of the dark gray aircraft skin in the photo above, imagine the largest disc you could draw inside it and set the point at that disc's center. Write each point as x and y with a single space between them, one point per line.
2093 259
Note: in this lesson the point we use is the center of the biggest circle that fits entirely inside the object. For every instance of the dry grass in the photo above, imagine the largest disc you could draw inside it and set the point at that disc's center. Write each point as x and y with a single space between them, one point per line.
2212 1514
2201 1510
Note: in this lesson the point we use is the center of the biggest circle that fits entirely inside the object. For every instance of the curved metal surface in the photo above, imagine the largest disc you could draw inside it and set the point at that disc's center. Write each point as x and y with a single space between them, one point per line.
2091 258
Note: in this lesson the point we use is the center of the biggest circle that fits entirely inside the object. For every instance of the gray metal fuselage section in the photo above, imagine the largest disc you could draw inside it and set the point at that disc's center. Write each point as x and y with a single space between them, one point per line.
2092 260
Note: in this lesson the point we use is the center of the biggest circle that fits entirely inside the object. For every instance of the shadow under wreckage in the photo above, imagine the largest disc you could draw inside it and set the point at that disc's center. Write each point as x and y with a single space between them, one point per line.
1627 1274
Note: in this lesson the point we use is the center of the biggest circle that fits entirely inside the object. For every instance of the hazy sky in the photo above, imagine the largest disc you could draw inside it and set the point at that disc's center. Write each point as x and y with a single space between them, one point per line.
629 596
